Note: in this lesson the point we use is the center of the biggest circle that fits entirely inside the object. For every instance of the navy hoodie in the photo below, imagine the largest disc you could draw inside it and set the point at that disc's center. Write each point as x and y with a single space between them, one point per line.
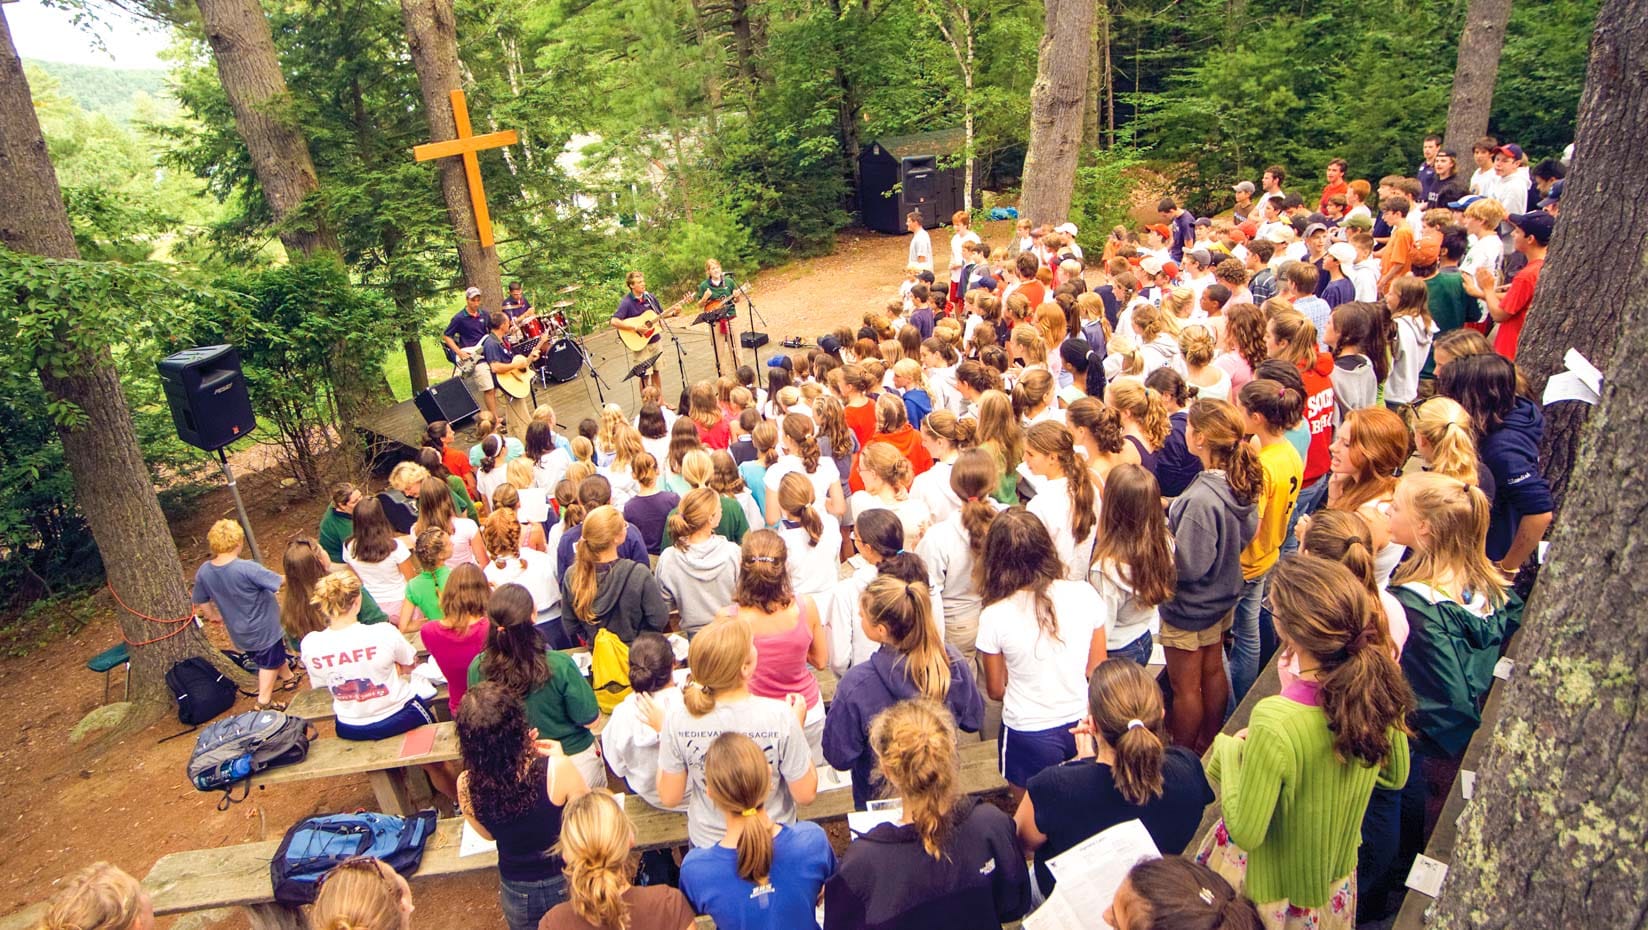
1511 453
887 879
871 687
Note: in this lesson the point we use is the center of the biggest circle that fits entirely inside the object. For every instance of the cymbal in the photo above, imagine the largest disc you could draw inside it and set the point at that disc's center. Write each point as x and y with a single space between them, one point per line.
563 304
569 288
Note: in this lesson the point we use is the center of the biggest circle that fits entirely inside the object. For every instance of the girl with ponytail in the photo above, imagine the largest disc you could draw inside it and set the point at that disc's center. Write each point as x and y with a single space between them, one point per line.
956 861
879 538
603 591
1000 434
698 571
361 894
1212 522
1444 438
812 538
1066 500
1310 757
1098 431
347 653
1039 637
913 662
951 548
886 478
597 851
1124 770
423 592
512 562
717 701
801 454
945 435
760 873
101 897
893 428
1175 893
1461 612
491 473
1145 422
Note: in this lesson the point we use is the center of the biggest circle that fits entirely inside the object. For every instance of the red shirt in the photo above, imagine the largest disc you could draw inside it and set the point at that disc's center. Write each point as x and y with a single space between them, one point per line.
861 420
457 463
1337 187
718 436
1514 306
908 442
1318 380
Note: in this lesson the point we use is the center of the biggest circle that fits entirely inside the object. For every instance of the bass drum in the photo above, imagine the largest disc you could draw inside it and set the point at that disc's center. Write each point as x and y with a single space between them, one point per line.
561 362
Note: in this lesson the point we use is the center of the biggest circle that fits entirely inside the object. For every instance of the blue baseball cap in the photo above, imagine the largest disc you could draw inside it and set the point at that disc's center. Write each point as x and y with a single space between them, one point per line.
1464 202
1553 195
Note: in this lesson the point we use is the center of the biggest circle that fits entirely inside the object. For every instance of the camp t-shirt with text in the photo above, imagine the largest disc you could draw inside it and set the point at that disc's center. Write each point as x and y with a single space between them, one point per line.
358 665
770 723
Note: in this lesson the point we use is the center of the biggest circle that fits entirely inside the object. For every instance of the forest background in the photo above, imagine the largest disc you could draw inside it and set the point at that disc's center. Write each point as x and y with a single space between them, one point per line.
654 133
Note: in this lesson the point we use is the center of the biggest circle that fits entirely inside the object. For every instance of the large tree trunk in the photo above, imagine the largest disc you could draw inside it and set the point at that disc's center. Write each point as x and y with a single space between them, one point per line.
1554 835
1476 71
1095 83
1056 111
244 50
111 481
432 33
1595 261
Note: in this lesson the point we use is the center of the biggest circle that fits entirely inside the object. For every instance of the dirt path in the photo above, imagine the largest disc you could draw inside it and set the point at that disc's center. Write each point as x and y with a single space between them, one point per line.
133 805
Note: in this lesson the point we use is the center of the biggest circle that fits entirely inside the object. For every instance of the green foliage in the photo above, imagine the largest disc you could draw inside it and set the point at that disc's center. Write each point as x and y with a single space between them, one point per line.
1541 74
1103 186
124 95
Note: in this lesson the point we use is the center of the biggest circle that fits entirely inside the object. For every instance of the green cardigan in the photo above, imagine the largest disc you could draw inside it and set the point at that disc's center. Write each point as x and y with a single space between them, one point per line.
1294 808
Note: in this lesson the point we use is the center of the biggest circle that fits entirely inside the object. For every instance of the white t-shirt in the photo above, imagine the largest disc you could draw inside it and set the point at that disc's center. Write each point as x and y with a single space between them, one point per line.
1124 619
1046 680
813 569
911 513
659 448
826 475
771 724
949 558
630 747
956 261
464 531
487 481
538 576
552 467
932 488
921 250
1218 390
357 664
383 580
623 483
1053 505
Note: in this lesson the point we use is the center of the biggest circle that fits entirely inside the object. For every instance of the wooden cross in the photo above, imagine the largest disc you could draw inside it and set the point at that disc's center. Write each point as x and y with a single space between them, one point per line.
467 145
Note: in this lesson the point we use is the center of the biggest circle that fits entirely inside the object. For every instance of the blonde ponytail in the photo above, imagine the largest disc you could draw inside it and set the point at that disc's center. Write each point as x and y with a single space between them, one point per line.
597 850
716 659
915 746
904 610
738 781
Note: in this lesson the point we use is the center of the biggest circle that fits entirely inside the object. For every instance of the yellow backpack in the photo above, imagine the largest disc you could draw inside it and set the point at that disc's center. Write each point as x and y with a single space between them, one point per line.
609 669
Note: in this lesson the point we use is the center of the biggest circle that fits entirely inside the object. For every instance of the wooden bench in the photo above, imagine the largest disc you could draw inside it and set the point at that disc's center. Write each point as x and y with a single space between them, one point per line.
380 761
238 876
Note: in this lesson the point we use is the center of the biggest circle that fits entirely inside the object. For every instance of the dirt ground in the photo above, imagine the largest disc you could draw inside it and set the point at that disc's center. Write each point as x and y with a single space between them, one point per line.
132 805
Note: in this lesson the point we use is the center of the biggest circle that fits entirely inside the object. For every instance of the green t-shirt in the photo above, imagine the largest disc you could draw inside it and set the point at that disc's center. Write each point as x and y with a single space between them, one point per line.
733 524
718 291
370 612
460 499
557 707
424 591
1450 307
334 529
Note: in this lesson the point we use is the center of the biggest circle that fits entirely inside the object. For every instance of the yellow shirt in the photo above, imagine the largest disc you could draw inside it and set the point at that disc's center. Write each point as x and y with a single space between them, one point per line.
1284 472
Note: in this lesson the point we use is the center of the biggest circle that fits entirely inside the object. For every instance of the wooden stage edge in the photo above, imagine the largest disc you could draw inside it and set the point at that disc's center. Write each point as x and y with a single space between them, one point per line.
396 433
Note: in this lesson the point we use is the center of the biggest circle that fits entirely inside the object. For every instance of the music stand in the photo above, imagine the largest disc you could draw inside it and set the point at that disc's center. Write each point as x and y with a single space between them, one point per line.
643 368
726 311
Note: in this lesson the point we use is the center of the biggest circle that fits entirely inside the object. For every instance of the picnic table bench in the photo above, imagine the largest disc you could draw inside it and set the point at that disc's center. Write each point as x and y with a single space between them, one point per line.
238 876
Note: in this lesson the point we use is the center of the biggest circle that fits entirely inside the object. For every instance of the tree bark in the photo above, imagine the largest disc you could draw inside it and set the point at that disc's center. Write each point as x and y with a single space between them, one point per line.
1095 83
112 482
1554 834
244 50
432 34
1595 261
1476 72
1056 111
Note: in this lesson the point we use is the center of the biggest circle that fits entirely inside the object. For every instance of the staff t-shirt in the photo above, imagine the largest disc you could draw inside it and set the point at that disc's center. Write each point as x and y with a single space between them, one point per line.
802 860
358 665
1046 679
770 723
244 592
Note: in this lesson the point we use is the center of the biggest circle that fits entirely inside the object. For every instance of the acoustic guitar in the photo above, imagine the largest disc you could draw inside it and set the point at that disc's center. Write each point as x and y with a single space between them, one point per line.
634 340
518 383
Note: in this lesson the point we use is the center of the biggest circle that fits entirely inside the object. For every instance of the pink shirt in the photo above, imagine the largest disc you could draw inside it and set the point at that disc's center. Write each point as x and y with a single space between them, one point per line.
781 660
453 654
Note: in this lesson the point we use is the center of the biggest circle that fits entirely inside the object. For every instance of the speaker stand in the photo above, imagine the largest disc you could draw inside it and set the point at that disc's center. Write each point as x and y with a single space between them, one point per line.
240 506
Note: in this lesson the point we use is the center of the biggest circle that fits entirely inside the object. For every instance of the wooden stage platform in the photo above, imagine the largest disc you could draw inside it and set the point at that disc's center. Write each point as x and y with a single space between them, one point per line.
395 434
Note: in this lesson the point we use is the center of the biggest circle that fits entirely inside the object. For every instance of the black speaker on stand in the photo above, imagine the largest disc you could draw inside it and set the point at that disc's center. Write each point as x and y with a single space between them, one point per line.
450 401
211 408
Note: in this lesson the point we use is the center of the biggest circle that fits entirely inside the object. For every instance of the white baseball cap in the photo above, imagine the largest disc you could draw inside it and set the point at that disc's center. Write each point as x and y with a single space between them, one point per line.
1343 252
1150 265
472 292
1066 228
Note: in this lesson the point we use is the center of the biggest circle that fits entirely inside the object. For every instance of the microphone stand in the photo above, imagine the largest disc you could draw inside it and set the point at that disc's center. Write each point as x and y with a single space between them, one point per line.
680 354
755 315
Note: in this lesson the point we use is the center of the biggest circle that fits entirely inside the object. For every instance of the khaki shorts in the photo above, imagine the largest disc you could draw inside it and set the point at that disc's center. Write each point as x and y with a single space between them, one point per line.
646 352
1171 637
481 381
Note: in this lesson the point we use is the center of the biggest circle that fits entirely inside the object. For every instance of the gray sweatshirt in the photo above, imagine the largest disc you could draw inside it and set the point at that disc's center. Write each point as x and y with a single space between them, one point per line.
1210 530
699 580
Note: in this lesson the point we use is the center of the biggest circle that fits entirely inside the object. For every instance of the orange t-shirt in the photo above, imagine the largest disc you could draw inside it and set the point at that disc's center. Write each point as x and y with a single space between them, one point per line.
1398 251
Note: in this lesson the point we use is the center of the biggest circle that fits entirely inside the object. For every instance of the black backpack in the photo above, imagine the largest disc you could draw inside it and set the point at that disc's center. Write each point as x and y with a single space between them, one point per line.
202 692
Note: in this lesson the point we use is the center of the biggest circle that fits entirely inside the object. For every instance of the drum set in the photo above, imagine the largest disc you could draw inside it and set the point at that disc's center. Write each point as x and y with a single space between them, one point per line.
563 356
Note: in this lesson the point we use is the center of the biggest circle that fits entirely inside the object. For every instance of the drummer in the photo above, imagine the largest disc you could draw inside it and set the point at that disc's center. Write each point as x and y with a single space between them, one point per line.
517 306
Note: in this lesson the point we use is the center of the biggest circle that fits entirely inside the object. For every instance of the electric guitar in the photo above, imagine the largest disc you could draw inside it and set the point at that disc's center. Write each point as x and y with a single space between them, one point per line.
518 383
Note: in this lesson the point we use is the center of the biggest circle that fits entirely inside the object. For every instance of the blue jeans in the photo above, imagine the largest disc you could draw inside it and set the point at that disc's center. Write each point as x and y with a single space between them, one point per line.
1244 645
1138 650
413 714
526 903
553 634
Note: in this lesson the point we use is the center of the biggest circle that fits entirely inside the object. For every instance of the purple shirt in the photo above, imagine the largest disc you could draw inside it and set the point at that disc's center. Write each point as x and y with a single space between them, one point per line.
647 513
632 548
467 330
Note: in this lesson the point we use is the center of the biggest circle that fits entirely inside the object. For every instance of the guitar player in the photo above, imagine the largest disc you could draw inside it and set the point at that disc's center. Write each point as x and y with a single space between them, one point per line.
634 304
462 338
498 358
718 288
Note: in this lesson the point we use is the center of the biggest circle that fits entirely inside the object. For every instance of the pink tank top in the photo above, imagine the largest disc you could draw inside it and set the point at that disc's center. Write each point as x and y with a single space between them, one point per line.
781 660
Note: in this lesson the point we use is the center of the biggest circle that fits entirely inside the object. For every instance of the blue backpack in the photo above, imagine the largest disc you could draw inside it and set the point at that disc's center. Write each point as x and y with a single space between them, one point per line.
315 845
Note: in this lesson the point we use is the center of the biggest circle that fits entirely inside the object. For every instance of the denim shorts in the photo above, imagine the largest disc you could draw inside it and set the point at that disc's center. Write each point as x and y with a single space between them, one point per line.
1138 650
413 714
526 903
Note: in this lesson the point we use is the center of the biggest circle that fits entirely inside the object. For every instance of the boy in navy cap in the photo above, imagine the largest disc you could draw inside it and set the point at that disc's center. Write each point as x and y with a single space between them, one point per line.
1531 235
